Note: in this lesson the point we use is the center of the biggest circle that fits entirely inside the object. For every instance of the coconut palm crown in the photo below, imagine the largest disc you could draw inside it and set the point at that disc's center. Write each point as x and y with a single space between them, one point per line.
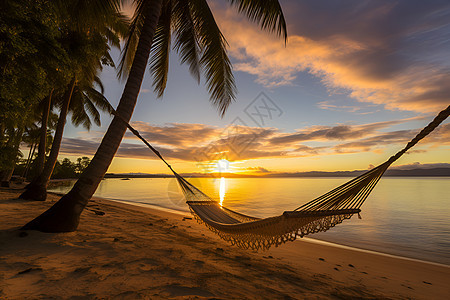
199 42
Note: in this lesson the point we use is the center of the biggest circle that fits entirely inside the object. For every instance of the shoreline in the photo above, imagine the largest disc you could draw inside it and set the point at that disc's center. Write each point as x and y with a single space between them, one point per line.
140 252
308 239
331 244
415 232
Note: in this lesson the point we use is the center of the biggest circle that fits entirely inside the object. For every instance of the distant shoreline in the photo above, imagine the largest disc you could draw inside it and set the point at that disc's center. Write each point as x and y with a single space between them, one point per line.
433 172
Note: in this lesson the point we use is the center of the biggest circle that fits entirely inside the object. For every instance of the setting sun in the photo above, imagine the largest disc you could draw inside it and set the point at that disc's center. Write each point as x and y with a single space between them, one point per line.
223 165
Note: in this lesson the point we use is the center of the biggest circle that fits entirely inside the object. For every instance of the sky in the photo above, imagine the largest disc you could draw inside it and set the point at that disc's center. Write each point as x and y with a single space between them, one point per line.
354 83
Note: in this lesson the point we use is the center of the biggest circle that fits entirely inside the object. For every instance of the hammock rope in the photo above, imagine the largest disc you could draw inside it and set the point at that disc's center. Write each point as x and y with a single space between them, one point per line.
320 214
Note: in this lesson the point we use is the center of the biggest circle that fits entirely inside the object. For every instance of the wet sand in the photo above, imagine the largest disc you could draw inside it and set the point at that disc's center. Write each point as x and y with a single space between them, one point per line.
122 251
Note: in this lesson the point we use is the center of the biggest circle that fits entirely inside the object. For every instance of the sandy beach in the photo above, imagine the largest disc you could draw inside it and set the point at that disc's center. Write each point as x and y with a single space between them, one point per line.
121 251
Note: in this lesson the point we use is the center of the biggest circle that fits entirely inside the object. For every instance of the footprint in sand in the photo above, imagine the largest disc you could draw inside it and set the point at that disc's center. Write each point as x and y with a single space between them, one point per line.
199 263
82 270
38 269
407 287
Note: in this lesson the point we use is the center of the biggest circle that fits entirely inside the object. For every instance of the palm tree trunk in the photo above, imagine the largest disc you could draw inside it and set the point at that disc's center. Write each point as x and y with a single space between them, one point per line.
40 159
43 134
38 190
30 156
64 216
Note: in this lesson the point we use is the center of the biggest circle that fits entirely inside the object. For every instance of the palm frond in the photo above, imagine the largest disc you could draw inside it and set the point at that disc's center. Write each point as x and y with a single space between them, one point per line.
98 99
88 14
131 41
91 109
186 43
267 13
160 51
112 37
107 60
214 60
79 114
120 24
99 83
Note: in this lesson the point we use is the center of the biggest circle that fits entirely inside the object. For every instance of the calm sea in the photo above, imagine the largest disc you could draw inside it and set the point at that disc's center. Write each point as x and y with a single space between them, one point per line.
409 217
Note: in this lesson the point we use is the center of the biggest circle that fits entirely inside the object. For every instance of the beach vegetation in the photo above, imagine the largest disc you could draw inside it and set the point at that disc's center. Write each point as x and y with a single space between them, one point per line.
88 50
156 24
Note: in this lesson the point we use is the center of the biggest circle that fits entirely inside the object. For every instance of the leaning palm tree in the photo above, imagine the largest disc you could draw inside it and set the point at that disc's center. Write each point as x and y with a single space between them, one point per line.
200 43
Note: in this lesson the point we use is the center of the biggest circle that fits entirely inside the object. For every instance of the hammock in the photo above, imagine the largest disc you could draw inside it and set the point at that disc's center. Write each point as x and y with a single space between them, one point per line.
320 214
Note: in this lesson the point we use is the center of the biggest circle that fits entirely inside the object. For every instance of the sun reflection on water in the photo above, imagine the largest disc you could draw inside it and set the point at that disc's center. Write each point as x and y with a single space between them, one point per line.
222 190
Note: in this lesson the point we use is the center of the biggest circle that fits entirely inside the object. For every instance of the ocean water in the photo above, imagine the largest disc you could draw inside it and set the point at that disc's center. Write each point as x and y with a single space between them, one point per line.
408 216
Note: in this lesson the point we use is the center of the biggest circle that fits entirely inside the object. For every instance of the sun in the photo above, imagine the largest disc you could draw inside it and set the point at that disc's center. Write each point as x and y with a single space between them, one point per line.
222 166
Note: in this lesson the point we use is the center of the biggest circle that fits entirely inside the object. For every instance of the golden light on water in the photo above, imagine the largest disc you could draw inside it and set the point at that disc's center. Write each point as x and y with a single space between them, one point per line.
223 165
222 190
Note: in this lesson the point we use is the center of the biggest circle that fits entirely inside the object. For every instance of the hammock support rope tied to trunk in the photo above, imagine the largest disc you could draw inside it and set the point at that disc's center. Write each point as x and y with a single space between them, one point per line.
320 214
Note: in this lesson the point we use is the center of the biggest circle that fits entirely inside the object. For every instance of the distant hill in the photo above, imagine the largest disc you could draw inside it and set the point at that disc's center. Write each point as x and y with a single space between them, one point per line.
419 172
391 172
431 172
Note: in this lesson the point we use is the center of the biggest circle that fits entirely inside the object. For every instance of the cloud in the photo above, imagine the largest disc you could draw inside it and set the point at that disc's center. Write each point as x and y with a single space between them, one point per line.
204 143
338 132
376 142
345 108
440 137
383 52
258 170
176 134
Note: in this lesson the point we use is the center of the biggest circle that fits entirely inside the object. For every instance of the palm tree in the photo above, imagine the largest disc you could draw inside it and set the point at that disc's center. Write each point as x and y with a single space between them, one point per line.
199 42
31 138
32 135
88 51
16 131
11 149
46 107
84 105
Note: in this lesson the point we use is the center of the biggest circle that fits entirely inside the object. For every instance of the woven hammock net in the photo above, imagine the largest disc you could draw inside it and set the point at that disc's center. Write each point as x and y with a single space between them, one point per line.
318 215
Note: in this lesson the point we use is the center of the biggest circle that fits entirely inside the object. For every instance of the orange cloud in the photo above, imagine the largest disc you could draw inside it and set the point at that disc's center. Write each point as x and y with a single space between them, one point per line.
365 50
203 143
